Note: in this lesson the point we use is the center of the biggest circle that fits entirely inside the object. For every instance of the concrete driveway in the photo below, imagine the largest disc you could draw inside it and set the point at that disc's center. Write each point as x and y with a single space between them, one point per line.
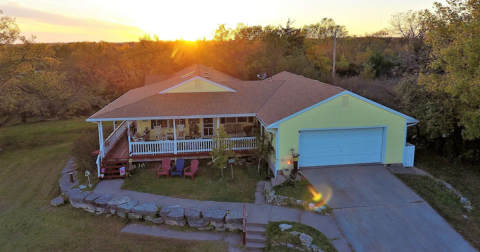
376 212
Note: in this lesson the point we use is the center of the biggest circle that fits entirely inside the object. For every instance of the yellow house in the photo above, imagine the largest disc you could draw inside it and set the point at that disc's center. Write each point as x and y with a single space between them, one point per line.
326 125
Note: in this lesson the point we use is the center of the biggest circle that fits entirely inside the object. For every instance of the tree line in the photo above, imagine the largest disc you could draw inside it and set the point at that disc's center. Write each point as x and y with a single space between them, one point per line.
426 64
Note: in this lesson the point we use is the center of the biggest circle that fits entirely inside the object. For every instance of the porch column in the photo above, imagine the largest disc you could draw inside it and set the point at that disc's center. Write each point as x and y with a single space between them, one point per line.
218 124
174 138
114 127
100 138
128 136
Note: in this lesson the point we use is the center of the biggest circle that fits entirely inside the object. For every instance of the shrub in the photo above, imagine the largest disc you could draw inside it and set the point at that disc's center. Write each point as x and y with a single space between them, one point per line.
82 151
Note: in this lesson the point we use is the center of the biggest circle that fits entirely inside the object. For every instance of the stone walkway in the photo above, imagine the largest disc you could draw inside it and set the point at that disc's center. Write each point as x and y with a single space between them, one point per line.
258 213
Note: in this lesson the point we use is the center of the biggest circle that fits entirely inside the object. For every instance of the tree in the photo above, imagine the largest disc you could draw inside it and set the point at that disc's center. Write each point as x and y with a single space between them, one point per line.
453 33
222 150
17 62
264 148
410 26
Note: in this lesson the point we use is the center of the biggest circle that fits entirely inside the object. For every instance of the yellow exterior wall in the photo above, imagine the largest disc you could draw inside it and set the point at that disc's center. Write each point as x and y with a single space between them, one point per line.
333 115
197 85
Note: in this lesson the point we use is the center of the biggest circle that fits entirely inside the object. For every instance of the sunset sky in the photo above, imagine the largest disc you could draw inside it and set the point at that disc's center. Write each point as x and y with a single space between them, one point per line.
119 20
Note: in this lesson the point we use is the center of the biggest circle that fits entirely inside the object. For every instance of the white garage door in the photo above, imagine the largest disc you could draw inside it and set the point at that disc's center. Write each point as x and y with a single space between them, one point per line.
340 146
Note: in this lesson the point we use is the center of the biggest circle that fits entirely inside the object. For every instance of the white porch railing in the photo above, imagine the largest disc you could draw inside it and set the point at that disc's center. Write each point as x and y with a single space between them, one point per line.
187 146
114 137
408 155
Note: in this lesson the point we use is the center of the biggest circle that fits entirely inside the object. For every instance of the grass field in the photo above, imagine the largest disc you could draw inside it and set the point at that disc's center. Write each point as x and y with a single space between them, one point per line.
239 189
33 156
464 179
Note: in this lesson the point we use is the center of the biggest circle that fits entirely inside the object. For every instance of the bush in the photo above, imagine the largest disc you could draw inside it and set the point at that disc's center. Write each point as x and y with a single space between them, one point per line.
82 152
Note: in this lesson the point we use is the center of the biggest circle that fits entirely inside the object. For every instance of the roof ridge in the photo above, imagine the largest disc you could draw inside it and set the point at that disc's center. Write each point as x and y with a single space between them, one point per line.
310 79
283 82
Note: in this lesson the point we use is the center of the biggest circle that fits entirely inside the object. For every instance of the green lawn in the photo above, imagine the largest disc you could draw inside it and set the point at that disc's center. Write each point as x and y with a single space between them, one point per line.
30 165
239 189
464 179
275 235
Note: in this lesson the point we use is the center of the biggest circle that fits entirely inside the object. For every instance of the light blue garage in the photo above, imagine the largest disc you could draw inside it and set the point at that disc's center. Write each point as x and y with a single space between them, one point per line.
341 146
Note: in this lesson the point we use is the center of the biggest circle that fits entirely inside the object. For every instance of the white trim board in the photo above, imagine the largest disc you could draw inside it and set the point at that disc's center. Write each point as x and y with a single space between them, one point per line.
195 78
408 118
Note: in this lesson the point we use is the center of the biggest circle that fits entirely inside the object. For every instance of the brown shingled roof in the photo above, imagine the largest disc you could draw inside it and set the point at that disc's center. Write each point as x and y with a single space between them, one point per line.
272 100
296 94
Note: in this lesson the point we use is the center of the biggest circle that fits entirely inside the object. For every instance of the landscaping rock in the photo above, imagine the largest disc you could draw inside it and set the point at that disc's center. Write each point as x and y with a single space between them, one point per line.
469 208
284 227
447 185
65 184
234 220
100 203
197 223
82 187
193 214
305 239
144 210
295 233
167 209
77 200
234 216
176 217
58 201
116 201
314 248
89 201
125 209
463 200
214 214
70 193
158 220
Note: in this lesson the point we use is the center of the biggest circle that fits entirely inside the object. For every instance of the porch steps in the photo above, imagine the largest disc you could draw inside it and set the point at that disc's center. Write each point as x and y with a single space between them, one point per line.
111 168
255 238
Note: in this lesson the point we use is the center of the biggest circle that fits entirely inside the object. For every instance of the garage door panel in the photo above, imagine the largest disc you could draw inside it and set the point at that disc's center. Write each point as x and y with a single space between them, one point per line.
342 146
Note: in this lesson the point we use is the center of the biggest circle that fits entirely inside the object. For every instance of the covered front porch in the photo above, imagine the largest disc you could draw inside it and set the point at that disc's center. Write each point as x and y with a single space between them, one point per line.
175 137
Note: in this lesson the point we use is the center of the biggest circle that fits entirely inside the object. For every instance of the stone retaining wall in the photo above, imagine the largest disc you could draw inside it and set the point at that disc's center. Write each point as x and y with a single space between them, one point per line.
212 218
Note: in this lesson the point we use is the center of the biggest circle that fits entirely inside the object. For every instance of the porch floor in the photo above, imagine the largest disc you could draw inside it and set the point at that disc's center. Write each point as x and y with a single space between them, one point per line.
120 151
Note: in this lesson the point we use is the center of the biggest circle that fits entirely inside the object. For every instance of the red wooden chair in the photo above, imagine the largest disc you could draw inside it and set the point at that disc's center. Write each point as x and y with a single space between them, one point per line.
190 171
165 168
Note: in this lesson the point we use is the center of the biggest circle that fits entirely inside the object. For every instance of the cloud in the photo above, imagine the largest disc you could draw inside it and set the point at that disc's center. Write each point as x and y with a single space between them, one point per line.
50 26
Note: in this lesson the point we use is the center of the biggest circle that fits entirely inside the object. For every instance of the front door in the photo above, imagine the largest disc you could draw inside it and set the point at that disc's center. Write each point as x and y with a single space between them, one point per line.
208 130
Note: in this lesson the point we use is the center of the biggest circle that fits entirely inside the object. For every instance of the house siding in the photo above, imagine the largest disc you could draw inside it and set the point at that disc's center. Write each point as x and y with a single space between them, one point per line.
197 85
334 114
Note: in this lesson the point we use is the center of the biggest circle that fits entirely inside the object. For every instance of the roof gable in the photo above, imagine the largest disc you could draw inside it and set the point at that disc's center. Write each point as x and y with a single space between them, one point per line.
197 85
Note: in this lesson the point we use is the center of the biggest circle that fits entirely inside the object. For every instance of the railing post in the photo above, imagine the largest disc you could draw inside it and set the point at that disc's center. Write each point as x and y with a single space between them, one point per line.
128 137
174 138
100 139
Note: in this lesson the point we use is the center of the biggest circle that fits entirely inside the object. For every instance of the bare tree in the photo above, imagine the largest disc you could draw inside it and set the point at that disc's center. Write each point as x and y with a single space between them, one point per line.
408 25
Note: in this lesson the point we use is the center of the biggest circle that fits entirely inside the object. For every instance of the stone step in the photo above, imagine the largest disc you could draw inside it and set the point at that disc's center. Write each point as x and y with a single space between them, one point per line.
268 185
255 237
254 245
252 229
